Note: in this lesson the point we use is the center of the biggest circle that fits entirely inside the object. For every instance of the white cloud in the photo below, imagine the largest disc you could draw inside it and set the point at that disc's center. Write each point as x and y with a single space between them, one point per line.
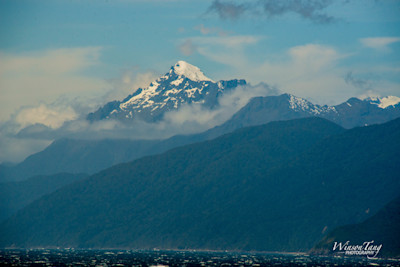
52 117
189 119
45 95
313 71
26 79
379 43
194 118
313 56
228 50
55 62
310 70
222 49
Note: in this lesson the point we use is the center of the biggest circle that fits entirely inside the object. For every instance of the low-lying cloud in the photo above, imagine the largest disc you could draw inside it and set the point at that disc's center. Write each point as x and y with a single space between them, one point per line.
195 118
42 76
47 94
50 117
188 119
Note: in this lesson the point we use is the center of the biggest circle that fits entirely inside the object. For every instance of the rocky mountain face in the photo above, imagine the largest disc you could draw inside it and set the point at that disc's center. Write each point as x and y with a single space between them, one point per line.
183 84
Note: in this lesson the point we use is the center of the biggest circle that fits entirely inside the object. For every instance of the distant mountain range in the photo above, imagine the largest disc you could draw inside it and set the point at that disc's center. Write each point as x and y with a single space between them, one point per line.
352 113
90 156
275 187
183 84
186 84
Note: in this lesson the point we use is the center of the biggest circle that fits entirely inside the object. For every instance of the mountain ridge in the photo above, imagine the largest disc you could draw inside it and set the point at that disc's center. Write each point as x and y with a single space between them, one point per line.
87 156
187 84
205 195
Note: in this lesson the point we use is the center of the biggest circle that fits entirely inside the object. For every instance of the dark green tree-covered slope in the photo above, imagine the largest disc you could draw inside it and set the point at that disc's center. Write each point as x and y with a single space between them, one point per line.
16 195
276 187
77 156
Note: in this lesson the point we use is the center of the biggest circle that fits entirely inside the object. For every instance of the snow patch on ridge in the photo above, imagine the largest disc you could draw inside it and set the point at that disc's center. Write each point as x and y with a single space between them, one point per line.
298 103
384 102
177 82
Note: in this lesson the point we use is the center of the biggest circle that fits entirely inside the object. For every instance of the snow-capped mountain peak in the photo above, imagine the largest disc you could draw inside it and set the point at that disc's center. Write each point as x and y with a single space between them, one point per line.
183 84
182 68
384 102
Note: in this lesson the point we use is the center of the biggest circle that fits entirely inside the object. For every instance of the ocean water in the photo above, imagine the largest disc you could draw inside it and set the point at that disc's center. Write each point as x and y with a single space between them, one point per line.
72 257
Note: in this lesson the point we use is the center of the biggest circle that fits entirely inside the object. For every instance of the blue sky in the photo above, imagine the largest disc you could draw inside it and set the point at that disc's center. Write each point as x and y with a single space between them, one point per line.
61 59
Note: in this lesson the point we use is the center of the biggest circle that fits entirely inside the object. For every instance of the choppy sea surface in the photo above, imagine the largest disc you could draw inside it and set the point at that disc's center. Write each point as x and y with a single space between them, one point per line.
72 257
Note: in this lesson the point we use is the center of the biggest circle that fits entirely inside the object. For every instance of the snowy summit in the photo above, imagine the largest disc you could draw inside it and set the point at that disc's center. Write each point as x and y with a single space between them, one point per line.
182 68
184 84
